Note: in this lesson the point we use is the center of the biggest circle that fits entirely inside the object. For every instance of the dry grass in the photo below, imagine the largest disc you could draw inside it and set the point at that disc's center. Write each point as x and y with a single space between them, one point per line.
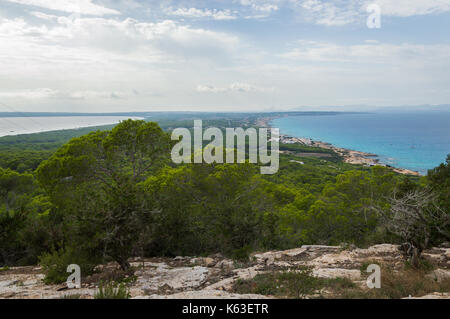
399 284
395 284
291 284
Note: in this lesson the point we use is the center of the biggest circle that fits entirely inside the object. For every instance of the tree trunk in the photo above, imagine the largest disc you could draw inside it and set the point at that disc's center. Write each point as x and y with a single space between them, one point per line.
415 257
412 254
124 264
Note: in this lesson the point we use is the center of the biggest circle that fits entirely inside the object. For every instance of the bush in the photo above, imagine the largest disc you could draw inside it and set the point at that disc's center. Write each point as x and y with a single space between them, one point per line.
112 290
55 264
291 284
6 268
299 284
408 282
241 254
422 265
396 284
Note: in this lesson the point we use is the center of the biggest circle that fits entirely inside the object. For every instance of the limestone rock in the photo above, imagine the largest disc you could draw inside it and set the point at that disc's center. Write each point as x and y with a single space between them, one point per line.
439 274
204 294
173 278
351 274
435 295
214 276
225 264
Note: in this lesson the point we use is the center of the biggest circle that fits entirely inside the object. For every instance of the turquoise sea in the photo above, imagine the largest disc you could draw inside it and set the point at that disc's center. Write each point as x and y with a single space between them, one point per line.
417 141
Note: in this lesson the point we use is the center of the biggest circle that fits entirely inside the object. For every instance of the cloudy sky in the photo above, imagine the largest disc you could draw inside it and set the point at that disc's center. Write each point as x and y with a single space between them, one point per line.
131 55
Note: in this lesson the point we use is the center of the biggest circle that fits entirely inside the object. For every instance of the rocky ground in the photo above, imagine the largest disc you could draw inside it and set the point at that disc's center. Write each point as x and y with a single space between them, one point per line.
214 276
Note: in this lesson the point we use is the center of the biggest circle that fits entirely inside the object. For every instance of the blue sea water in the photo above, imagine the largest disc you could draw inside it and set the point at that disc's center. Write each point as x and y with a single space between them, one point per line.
417 141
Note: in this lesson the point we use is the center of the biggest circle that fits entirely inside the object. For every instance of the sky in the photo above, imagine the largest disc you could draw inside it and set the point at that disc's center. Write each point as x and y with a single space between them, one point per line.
222 55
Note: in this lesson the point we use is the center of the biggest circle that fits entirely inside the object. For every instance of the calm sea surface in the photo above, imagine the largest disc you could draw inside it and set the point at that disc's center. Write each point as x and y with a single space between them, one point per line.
417 141
28 125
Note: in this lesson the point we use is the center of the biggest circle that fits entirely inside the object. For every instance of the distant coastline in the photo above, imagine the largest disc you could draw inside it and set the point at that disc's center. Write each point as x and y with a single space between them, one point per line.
13 126
350 156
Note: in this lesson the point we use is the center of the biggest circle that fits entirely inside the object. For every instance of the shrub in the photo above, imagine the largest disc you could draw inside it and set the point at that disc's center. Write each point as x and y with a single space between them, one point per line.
299 284
55 264
241 254
365 265
422 265
408 282
112 290
6 268
399 284
291 284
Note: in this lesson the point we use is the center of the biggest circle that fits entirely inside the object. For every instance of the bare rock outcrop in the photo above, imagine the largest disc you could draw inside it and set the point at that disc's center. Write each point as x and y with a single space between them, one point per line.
214 276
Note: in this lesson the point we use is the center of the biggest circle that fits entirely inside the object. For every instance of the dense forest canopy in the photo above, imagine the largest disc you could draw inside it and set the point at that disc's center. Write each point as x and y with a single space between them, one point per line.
113 194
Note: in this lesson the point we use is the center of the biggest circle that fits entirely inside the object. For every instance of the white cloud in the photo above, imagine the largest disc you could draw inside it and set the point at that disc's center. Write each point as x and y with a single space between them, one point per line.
98 59
201 13
54 60
126 37
371 52
267 8
344 12
40 93
261 8
210 89
407 8
71 6
233 87
337 13
261 5
44 16
47 93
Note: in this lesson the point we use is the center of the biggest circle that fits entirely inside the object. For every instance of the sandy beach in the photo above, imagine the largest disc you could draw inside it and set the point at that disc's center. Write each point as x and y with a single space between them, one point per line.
349 156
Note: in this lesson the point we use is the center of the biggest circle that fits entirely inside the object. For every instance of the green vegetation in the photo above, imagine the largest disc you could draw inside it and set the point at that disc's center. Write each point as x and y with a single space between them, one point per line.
300 283
55 264
112 290
297 284
113 194
24 153
95 180
398 284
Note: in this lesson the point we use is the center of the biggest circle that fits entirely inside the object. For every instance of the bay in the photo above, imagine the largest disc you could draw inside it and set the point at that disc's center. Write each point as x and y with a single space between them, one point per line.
29 125
417 141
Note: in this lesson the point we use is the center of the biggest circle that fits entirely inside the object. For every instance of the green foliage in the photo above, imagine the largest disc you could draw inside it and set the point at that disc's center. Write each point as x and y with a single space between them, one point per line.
344 211
423 265
24 153
94 179
114 194
112 290
396 284
242 254
298 284
16 207
439 180
54 264
365 265
203 209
